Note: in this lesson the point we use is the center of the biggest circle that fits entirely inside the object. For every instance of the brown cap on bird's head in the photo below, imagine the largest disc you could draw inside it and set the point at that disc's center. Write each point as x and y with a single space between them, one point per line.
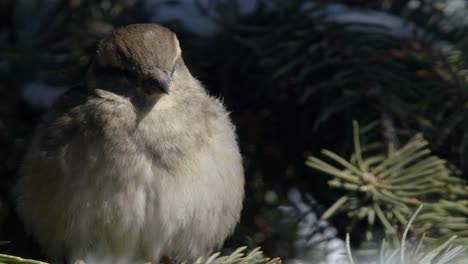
149 51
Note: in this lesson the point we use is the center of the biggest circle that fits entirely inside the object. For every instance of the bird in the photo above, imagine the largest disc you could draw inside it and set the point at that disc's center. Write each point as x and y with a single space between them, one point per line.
139 164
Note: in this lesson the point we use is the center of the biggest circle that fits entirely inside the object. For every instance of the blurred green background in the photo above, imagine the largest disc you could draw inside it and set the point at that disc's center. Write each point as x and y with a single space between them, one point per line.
294 74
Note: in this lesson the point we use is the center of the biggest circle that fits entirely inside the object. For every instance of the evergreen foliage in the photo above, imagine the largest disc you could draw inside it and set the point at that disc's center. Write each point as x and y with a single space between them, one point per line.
388 187
409 253
295 74
239 256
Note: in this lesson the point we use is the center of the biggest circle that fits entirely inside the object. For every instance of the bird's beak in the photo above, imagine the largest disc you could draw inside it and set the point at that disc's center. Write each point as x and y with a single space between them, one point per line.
163 79
157 82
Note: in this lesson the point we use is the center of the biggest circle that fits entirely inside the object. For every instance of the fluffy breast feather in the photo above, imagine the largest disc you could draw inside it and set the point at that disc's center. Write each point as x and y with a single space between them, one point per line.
113 182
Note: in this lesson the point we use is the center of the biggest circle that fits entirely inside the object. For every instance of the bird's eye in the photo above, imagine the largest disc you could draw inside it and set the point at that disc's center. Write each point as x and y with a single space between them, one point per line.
149 82
127 74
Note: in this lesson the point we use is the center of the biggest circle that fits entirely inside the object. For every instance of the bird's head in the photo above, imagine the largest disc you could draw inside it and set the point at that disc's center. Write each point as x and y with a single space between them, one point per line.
140 56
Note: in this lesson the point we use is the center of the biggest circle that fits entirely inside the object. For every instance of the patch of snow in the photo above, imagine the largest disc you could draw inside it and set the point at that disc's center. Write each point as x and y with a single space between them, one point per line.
378 21
317 240
456 12
187 12
40 95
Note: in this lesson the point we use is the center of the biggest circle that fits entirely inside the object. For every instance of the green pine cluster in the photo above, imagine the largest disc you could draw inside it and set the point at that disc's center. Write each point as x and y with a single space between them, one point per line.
387 187
239 256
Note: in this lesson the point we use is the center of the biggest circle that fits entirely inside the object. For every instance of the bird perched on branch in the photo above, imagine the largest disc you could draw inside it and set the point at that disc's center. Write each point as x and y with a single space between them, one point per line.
142 164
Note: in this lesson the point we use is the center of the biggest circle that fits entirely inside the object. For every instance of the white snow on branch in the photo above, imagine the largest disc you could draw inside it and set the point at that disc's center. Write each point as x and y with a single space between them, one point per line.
317 240
40 95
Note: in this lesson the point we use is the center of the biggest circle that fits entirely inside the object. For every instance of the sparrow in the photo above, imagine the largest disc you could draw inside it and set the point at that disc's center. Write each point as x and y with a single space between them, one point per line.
141 164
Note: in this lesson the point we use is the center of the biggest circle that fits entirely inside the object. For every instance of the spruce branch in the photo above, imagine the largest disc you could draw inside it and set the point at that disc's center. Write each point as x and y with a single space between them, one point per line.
408 253
390 185
239 256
